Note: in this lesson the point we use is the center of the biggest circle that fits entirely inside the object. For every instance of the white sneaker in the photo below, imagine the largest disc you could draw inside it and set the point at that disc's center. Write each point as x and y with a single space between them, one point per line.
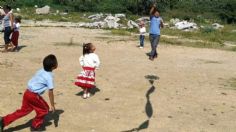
141 47
88 95
84 96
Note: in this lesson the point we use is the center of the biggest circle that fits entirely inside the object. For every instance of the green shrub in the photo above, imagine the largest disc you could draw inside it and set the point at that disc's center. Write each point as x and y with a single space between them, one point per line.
208 29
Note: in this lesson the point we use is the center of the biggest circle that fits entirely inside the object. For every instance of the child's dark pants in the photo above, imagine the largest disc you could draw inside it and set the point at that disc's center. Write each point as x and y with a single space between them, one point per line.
141 38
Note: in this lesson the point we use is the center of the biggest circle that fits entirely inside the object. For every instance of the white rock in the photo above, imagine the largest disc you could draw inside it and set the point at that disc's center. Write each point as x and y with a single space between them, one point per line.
233 31
100 24
112 22
111 18
95 16
173 21
120 15
132 24
43 10
217 26
63 13
184 25
145 19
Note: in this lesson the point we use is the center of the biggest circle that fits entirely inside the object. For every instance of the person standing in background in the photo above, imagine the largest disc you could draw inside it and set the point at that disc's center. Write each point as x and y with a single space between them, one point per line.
156 23
7 27
142 31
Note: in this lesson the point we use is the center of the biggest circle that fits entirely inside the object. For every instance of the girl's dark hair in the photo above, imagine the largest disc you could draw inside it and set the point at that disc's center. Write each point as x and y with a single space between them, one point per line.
7 7
18 19
87 48
49 62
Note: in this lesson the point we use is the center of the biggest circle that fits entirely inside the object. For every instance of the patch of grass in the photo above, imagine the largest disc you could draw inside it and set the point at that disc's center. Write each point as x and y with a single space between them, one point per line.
170 41
103 37
228 34
121 32
211 62
233 48
203 38
190 43
207 34
232 83
213 36
70 43
116 40
132 17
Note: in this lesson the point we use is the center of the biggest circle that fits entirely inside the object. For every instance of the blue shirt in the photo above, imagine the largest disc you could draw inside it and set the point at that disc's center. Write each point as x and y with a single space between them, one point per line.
155 24
41 82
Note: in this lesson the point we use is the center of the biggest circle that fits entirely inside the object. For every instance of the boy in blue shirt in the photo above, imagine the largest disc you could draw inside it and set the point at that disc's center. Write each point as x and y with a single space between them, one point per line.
156 23
32 99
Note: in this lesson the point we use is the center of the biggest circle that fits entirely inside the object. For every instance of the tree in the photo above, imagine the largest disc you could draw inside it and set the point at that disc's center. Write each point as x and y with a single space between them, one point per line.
227 11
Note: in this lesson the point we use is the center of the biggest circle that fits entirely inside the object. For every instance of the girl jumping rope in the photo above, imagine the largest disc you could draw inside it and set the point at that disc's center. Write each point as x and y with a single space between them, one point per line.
89 62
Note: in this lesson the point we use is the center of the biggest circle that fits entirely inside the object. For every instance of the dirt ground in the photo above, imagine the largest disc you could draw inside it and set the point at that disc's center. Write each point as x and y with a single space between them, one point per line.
190 91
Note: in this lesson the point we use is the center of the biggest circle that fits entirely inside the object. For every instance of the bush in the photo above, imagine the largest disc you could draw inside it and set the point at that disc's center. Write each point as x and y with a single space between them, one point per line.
208 29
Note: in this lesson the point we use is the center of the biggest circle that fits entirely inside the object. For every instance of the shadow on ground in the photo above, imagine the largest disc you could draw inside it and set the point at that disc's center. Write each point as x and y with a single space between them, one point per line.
93 91
55 117
148 106
19 48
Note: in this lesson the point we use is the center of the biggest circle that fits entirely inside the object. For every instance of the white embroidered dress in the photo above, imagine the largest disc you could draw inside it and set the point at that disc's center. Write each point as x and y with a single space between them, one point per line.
86 78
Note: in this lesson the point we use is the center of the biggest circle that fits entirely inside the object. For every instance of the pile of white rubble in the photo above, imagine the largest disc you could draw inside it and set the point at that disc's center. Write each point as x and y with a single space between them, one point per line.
184 25
108 21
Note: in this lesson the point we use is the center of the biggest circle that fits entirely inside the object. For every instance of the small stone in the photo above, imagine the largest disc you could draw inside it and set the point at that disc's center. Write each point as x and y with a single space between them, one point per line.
224 93
107 99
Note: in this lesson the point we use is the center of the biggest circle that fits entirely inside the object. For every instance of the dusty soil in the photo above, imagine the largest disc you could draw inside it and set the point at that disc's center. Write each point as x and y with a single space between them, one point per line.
190 91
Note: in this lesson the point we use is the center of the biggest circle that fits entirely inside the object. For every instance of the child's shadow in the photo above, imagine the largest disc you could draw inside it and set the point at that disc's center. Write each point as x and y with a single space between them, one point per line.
20 48
55 117
93 91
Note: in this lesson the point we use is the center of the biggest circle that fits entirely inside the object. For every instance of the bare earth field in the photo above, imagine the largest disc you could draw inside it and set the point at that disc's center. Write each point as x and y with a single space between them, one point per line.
190 91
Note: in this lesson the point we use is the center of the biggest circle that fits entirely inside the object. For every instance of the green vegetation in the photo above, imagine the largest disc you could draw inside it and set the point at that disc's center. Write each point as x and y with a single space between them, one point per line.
123 31
232 83
206 37
199 10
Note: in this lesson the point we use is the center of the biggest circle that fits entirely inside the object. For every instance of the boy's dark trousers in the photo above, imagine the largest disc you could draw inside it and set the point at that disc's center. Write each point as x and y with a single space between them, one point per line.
31 101
154 39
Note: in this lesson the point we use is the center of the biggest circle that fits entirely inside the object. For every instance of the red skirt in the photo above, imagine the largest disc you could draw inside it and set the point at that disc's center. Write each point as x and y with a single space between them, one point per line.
86 79
15 37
